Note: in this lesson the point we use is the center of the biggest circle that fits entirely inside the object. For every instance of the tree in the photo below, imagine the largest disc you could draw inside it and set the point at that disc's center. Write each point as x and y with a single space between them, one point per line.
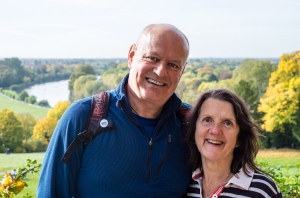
43 130
10 131
23 95
86 86
13 73
43 103
250 80
280 104
256 73
246 91
81 70
58 110
27 123
31 99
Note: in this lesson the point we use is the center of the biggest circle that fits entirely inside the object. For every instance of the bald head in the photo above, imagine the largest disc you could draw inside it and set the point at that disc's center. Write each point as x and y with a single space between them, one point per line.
163 31
156 61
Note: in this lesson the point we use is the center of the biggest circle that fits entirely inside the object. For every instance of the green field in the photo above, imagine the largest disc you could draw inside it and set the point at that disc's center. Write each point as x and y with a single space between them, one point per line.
285 158
18 160
20 107
281 157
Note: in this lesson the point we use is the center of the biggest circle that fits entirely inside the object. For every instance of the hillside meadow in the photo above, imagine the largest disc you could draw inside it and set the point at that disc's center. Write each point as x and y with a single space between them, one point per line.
21 107
280 157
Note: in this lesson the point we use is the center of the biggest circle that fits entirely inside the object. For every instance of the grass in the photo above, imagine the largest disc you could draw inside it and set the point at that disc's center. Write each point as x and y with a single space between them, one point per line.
18 160
285 158
10 92
280 157
21 107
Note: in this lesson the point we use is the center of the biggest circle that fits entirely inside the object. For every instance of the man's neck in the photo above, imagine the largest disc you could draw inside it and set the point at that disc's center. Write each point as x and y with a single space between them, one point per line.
141 107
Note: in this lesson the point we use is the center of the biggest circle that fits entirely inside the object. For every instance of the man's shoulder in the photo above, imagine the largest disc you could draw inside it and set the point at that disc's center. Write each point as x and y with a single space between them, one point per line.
78 108
186 105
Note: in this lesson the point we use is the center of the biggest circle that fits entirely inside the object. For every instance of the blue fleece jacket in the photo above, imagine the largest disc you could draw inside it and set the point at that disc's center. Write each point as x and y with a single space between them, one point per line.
122 162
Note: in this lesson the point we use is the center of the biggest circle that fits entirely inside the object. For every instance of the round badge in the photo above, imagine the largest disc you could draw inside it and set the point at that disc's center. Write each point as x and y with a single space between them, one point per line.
103 123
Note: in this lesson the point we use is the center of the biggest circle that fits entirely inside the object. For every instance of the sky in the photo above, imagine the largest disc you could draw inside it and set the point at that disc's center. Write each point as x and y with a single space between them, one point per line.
106 29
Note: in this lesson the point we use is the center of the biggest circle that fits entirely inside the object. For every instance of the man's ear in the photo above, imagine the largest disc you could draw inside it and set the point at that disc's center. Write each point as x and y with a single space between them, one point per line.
182 71
131 54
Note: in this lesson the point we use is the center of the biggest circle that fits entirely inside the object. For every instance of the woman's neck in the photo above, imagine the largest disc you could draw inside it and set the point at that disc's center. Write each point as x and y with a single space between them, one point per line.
215 171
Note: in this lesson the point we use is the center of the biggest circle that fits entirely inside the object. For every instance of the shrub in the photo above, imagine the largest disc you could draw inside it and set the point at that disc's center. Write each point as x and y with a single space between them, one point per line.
43 103
288 185
13 184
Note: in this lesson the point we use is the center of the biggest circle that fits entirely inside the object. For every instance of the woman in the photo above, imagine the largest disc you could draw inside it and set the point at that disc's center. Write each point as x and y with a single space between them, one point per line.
223 142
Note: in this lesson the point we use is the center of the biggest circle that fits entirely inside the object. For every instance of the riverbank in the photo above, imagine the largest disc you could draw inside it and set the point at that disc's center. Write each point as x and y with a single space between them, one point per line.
18 106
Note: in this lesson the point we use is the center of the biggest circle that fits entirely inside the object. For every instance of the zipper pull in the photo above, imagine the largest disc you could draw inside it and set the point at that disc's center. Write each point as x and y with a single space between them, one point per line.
150 144
169 139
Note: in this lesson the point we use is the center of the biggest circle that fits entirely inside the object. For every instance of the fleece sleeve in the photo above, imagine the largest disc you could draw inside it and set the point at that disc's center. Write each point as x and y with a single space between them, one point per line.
58 179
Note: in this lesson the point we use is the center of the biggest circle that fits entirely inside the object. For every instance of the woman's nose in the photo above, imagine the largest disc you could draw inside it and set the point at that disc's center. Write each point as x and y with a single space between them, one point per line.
216 129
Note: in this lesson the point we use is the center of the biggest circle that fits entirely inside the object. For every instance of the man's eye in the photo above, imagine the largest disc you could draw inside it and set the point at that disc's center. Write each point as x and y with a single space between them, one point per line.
173 66
152 58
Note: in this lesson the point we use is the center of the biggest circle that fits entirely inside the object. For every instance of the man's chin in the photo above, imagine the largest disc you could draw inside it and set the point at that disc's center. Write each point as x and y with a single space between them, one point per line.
159 98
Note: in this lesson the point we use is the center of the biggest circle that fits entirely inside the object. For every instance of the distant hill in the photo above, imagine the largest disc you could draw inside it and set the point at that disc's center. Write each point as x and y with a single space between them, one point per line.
21 107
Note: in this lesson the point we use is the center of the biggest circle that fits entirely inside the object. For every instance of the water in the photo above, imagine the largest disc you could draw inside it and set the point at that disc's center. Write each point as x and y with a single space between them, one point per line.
53 92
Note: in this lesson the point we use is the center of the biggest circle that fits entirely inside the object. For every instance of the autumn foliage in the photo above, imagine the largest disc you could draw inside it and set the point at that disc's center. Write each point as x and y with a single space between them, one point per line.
281 102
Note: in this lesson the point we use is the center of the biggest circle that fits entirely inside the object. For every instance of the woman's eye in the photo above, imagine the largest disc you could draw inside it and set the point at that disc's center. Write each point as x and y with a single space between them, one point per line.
207 120
228 123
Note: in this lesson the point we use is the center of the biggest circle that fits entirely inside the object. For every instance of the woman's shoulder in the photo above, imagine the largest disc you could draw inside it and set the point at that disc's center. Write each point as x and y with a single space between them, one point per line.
265 184
260 186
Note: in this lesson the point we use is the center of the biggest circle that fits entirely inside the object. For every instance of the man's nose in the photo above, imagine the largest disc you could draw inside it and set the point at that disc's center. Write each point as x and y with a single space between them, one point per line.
161 68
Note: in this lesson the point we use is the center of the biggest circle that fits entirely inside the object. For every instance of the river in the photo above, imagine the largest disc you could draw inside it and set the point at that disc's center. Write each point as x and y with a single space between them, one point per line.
53 92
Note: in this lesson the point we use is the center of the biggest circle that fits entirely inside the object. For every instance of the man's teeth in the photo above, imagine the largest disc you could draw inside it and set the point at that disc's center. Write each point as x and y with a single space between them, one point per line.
214 142
155 82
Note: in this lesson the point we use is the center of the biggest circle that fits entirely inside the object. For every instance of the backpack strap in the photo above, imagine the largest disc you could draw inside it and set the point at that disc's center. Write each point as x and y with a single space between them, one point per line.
97 124
182 112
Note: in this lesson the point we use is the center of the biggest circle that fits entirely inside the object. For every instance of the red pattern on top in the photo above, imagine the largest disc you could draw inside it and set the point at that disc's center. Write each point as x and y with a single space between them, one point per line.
218 191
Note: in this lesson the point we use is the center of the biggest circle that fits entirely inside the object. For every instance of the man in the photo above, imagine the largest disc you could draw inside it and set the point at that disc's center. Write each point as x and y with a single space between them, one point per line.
144 155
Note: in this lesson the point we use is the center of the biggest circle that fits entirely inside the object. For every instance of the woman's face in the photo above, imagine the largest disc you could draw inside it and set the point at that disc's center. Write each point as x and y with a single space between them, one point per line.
216 131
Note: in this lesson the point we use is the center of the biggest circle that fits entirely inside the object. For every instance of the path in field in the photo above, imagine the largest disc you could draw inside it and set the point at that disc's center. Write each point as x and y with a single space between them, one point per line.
2 173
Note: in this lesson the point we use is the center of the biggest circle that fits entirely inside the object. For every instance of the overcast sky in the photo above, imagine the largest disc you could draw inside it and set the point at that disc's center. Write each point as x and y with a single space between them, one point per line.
106 29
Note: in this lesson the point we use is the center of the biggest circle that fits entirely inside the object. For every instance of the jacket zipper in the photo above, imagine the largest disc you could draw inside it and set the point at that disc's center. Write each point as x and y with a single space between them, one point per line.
150 152
149 161
165 155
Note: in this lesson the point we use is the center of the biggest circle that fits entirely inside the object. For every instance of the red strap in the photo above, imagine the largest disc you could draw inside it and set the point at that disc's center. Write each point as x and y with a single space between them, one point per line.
99 106
218 191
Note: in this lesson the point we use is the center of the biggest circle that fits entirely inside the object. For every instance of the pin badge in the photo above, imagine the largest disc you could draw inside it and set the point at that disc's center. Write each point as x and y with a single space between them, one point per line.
103 123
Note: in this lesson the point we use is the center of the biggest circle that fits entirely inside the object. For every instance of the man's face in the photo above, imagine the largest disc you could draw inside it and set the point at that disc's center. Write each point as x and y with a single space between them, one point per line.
156 66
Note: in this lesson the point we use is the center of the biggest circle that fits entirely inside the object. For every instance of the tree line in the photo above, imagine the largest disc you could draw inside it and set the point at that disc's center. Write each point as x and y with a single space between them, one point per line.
270 87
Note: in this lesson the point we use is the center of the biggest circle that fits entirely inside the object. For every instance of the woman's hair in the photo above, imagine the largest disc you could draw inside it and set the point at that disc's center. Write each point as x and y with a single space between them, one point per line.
247 138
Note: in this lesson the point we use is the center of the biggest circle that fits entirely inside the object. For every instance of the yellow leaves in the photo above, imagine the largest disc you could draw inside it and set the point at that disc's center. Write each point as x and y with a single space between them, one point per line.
206 85
58 110
17 186
44 129
9 185
281 102
7 180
